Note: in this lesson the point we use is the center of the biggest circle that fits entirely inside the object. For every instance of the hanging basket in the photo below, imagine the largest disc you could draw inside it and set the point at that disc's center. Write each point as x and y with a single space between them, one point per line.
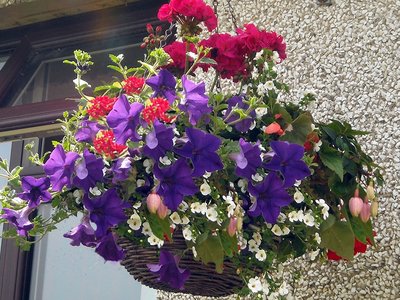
203 280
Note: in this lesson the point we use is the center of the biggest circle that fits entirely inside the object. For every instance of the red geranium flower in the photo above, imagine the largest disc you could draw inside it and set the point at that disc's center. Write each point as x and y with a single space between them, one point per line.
100 106
105 144
156 110
133 85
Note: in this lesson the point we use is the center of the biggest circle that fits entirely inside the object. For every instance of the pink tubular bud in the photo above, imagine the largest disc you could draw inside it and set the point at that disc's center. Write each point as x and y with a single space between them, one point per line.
365 212
232 226
162 211
355 205
153 202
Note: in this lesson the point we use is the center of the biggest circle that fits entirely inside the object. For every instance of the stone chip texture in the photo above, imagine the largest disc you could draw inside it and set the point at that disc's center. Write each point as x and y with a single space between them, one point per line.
349 55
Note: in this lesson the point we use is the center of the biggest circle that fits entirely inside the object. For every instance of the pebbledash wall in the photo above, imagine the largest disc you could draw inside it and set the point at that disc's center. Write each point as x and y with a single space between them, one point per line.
349 55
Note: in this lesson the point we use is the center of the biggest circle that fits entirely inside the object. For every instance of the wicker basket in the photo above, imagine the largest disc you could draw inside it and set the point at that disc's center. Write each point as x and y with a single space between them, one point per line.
203 280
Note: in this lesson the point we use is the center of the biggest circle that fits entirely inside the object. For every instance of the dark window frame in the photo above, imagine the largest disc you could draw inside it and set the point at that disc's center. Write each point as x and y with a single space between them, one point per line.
29 46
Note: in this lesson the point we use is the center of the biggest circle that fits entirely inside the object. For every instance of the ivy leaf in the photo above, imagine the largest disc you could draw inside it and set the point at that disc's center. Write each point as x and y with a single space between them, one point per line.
338 237
332 158
211 250
160 227
301 127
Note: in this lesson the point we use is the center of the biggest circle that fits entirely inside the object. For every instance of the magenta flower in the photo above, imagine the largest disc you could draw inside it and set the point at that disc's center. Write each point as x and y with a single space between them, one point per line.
195 102
106 211
158 141
163 85
201 149
60 167
35 190
175 182
287 160
82 234
270 197
109 249
168 271
89 171
248 160
19 219
124 119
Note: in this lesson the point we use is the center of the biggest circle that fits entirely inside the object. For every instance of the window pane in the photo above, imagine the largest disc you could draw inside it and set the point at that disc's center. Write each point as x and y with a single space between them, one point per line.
53 79
3 60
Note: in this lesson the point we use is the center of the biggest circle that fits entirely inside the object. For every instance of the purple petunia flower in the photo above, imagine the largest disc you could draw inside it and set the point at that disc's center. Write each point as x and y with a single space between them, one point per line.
19 219
106 211
168 271
35 190
159 141
175 182
89 170
244 124
121 169
288 161
270 197
163 85
248 160
196 101
124 119
60 167
109 249
201 149
82 234
87 131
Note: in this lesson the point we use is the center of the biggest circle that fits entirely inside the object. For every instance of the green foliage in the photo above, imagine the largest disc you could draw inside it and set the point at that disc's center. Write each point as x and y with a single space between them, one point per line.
299 129
210 250
332 159
160 227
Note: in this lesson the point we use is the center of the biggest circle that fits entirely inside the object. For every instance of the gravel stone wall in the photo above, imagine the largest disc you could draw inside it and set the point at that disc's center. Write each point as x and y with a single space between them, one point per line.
349 55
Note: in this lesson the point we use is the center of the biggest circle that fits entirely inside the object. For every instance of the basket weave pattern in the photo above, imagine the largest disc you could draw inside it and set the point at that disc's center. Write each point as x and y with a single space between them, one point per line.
203 280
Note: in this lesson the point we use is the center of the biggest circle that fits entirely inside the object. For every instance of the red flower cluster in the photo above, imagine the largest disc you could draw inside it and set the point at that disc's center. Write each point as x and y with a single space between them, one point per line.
156 110
188 11
105 144
133 85
100 106
359 247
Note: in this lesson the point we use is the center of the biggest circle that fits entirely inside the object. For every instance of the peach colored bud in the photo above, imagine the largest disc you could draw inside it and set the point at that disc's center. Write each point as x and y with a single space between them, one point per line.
273 128
356 193
374 209
355 205
239 224
365 212
162 211
370 191
153 202
232 226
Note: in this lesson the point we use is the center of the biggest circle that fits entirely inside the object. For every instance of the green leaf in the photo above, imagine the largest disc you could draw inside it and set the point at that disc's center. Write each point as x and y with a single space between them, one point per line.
211 250
338 237
300 128
362 231
160 227
332 158
230 244
115 68
206 60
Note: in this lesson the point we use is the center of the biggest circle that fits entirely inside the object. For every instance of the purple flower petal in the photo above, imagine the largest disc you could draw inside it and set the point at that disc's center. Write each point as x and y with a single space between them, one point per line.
35 190
248 160
245 124
19 219
109 249
87 131
89 171
82 234
159 141
163 85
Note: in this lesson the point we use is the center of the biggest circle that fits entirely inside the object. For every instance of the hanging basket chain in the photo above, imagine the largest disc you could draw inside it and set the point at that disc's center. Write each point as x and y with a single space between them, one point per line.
232 13
168 33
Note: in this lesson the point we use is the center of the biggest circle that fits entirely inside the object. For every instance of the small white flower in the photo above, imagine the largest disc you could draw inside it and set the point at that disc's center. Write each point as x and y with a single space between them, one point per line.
203 208
140 183
147 164
317 238
183 206
146 230
259 55
283 290
153 241
285 230
269 85
77 195
257 177
253 246
195 207
242 242
297 183
231 209
253 125
187 233
137 205
309 220
277 230
257 237
298 196
296 216
185 220
95 191
314 254
175 218
255 285
205 189
194 251
165 160
265 288
228 198
81 83
212 214
120 57
207 174
242 185
281 218
261 255
317 146
325 208
134 222
260 89
261 111
275 57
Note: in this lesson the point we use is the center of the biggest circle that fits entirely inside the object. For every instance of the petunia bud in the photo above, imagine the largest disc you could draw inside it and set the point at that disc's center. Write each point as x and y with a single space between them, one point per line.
370 191
232 226
355 205
365 212
374 209
153 202
162 211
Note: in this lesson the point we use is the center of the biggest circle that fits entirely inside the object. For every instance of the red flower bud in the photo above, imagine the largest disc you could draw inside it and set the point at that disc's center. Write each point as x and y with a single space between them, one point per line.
149 28
153 202
355 205
232 226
